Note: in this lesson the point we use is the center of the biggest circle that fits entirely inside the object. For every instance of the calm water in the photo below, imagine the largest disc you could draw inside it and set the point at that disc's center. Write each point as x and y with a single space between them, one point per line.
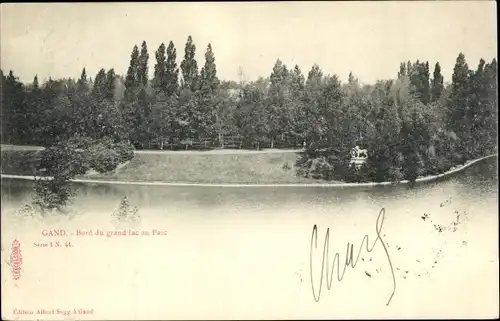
245 252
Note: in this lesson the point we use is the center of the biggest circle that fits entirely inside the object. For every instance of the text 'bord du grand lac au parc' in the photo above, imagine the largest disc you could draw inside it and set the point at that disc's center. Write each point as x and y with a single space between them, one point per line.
55 237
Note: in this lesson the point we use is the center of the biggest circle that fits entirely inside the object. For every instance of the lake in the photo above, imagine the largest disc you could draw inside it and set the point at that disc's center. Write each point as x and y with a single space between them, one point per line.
244 252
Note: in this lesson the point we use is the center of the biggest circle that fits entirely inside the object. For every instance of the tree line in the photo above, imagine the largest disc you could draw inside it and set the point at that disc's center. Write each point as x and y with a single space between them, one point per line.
411 125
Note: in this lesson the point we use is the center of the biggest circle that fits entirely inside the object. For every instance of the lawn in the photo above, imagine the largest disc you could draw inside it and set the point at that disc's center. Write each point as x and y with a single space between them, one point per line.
251 168
258 168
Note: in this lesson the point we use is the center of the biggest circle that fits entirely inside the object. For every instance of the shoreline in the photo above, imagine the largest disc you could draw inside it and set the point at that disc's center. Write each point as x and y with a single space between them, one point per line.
180 184
216 151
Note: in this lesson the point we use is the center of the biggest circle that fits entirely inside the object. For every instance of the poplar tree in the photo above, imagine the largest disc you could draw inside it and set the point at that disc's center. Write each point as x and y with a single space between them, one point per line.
163 121
209 87
142 66
99 91
458 104
159 78
191 125
437 83
171 71
129 107
142 128
402 70
189 66
131 80
35 84
209 81
82 83
110 84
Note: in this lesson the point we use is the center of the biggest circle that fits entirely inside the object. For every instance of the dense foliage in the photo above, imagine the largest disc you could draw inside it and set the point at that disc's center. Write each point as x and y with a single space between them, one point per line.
412 125
65 160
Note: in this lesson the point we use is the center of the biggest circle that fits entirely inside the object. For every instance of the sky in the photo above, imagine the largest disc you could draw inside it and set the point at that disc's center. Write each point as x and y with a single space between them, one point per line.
368 38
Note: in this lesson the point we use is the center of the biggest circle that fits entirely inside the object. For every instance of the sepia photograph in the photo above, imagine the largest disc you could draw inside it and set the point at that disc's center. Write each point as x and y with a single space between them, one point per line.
249 160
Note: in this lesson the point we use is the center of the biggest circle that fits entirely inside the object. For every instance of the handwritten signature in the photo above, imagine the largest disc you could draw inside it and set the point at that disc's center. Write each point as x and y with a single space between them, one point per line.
349 257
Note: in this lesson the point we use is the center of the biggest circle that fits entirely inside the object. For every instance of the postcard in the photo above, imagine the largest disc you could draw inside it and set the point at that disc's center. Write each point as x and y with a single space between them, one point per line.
251 160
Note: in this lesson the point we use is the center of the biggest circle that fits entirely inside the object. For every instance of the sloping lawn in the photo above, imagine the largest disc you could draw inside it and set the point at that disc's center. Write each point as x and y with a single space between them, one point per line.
253 168
233 168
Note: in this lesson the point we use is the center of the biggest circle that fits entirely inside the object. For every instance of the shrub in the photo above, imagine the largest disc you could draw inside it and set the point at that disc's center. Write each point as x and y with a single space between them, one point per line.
106 155
125 151
65 160
103 158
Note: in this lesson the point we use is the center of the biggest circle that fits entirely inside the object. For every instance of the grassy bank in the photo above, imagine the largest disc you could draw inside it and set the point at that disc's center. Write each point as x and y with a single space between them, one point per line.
232 168
20 162
251 168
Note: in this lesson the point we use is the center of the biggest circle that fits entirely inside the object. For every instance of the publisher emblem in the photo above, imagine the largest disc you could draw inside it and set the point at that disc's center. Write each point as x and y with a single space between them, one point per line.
16 259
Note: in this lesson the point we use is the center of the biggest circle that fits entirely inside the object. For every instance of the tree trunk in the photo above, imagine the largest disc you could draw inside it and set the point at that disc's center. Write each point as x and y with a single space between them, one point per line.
272 142
221 140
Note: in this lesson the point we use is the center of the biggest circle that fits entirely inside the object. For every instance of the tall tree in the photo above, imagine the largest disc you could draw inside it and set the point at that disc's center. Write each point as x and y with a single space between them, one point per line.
142 67
142 128
130 108
437 83
330 106
279 115
295 101
36 108
82 106
35 84
458 104
171 71
189 66
110 84
163 106
132 78
402 70
209 81
82 82
208 93
99 91
351 80
418 74
312 93
159 78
